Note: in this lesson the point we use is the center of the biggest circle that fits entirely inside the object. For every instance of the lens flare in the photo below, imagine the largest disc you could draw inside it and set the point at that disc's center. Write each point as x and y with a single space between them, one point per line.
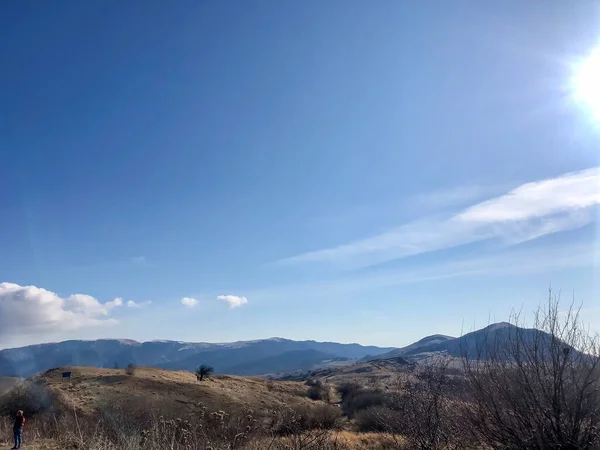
586 83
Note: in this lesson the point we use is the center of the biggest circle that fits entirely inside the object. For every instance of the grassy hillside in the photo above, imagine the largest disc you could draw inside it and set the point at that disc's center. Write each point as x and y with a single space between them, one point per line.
106 409
176 392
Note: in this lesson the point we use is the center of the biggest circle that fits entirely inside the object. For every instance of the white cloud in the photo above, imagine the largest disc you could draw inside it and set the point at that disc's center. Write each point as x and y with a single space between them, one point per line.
525 213
233 301
189 302
29 310
569 192
114 303
132 304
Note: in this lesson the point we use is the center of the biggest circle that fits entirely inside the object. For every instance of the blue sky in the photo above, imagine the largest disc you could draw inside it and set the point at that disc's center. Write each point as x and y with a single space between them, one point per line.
353 171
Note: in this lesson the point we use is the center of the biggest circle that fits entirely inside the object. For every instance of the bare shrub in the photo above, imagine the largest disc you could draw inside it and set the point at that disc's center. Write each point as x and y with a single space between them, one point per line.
356 398
130 369
379 419
30 397
348 389
301 419
319 391
420 414
535 390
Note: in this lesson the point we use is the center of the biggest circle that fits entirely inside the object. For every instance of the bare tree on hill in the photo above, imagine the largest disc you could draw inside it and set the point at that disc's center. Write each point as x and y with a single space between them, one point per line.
204 371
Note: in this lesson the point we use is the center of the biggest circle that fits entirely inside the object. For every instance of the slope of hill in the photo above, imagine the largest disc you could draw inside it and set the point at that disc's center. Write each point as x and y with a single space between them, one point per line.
476 344
367 373
172 392
233 358
420 344
7 383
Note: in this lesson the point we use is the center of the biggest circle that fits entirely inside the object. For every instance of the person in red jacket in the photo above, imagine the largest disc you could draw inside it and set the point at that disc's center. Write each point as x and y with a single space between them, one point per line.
18 429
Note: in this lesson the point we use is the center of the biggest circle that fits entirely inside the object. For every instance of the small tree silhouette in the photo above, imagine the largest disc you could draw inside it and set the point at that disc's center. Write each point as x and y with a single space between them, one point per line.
116 366
204 371
130 369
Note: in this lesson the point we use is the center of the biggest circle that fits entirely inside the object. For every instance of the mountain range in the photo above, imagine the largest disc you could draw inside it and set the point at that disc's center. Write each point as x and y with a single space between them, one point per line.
259 357
275 356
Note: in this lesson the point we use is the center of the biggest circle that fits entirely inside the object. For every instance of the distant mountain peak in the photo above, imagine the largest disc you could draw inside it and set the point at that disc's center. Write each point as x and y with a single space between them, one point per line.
434 337
499 326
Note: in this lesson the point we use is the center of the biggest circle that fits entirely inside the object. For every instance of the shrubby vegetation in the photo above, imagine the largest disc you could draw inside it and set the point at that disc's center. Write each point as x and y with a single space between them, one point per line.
318 391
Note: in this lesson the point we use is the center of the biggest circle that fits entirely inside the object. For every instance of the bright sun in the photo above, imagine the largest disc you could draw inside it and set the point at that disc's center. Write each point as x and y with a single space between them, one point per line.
586 83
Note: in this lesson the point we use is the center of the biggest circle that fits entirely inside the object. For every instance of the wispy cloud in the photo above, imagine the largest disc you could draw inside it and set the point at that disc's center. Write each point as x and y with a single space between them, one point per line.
528 212
509 262
189 302
29 310
233 301
453 197
132 304
569 192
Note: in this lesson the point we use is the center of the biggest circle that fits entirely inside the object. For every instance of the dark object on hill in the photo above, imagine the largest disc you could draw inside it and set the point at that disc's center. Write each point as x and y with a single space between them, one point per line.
204 371
66 375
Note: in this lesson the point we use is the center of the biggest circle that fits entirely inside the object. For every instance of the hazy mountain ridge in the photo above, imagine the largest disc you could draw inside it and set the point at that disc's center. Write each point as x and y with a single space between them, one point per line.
476 344
242 357
258 357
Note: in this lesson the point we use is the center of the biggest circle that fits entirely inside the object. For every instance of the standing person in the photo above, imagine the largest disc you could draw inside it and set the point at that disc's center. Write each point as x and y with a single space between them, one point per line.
18 429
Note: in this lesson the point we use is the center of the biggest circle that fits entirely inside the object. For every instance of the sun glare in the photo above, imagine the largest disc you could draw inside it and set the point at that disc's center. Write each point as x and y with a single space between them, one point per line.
586 83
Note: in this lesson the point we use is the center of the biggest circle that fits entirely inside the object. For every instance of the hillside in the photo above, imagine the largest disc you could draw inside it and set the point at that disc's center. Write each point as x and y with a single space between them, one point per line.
417 346
171 392
476 344
231 358
373 372
7 383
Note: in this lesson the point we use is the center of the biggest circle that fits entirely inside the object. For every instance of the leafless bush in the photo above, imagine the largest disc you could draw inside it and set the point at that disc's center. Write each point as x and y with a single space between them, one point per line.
379 419
318 391
298 420
30 397
535 390
356 398
420 413
348 389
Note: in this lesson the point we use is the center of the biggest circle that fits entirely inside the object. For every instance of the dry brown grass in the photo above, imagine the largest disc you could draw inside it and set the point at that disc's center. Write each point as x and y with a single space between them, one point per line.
341 440
177 392
369 441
